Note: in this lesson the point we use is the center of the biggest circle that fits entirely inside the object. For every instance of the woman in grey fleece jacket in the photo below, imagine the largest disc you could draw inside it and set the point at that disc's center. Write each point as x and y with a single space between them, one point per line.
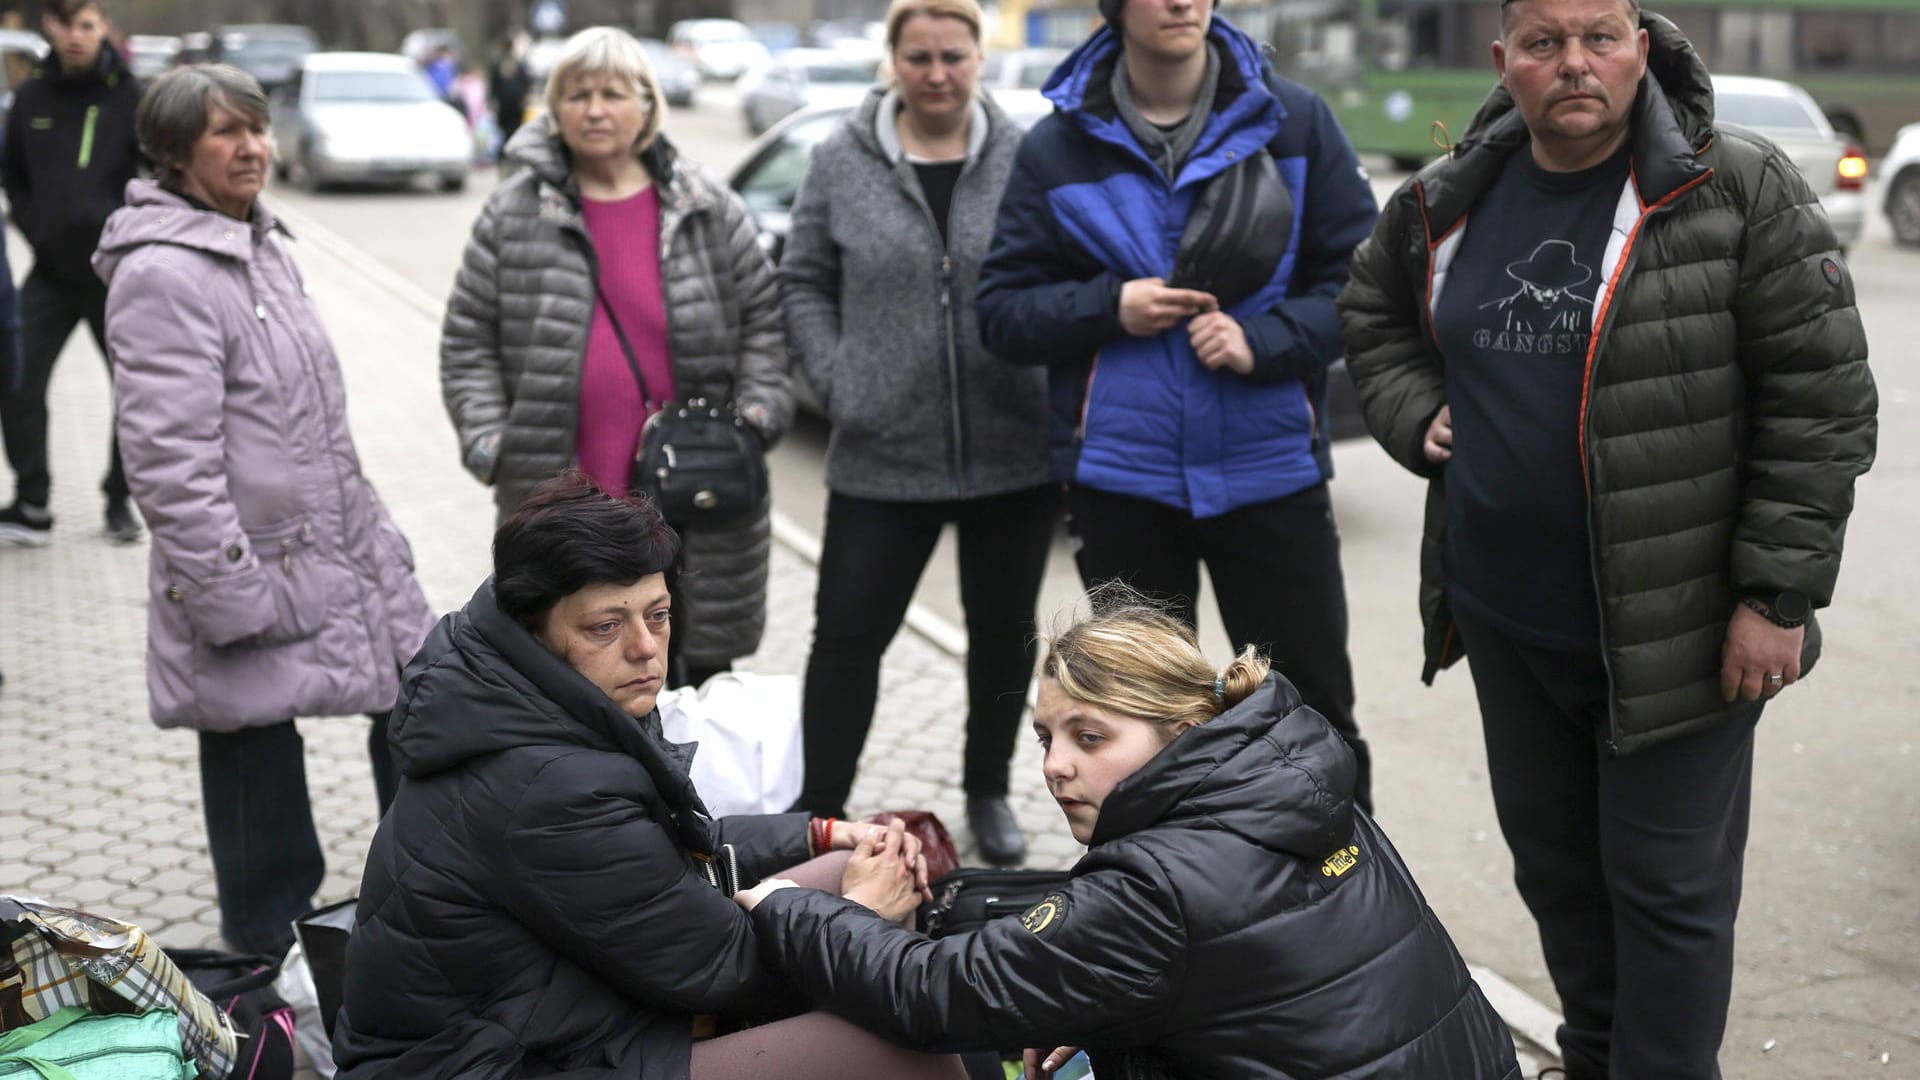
890 227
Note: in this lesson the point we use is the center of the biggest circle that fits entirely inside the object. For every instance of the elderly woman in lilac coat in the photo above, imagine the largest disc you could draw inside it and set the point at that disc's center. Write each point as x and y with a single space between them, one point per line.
279 585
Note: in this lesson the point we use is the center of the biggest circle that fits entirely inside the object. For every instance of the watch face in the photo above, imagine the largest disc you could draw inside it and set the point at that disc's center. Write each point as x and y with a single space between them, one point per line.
1792 606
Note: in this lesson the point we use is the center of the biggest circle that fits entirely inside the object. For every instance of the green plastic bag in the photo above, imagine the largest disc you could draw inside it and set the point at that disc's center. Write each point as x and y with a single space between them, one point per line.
79 1044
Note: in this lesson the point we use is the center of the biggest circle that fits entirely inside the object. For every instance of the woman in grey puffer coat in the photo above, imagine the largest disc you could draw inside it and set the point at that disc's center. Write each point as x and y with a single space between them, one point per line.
891 224
532 368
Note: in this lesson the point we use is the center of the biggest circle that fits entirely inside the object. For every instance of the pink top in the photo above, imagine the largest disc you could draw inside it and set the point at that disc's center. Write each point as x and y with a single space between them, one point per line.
626 239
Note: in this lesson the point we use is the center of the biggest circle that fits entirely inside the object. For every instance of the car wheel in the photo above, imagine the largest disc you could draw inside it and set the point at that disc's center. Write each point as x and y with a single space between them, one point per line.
1903 207
454 182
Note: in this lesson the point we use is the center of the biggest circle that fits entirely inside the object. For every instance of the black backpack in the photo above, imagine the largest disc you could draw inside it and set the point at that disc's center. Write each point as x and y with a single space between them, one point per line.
241 985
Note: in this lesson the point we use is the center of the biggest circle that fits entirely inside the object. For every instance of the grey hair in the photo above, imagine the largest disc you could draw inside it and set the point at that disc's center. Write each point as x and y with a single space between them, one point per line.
173 113
612 53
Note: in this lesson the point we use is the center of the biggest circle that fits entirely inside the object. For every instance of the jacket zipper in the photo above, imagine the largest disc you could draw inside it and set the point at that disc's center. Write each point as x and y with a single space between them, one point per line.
946 313
86 135
1628 256
953 373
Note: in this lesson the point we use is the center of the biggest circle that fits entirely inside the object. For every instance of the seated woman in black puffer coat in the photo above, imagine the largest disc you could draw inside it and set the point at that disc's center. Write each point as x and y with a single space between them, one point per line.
1235 916
547 896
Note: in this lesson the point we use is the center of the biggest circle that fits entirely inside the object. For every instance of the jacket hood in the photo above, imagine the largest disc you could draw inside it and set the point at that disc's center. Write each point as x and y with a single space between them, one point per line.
1080 82
109 68
1270 769
1672 124
154 215
882 142
482 685
1246 113
537 147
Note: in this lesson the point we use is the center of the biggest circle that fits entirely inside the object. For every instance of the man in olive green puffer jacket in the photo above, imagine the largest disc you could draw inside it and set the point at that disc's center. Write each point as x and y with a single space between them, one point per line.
1620 342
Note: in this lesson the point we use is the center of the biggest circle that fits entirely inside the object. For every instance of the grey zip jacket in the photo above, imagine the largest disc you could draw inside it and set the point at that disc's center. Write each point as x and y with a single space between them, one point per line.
880 314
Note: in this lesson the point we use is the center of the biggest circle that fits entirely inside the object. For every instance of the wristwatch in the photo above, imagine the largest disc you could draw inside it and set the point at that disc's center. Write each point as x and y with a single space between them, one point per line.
1787 608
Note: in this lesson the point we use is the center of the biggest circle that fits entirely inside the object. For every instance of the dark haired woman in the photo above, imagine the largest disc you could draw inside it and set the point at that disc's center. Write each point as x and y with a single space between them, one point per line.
548 894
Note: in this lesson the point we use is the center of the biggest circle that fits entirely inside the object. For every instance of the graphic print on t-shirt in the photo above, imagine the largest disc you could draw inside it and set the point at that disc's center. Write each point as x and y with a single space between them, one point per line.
1514 323
1546 312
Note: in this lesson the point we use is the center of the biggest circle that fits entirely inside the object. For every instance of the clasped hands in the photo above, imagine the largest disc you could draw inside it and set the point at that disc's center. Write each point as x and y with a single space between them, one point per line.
887 874
1149 306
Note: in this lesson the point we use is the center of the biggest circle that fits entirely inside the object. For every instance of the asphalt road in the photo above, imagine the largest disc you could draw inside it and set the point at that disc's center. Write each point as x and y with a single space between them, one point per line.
1829 957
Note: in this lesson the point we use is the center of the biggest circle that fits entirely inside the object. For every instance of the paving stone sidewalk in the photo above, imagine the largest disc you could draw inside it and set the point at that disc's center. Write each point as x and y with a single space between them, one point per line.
100 810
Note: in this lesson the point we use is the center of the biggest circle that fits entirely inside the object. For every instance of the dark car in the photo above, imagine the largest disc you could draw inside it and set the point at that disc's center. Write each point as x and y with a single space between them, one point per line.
678 77
768 179
270 53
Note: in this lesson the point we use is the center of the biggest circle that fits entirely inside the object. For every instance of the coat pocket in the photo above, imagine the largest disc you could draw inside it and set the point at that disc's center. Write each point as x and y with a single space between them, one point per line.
297 579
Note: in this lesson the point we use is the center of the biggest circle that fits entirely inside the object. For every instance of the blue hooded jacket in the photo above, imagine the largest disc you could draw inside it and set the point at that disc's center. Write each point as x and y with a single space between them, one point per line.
1086 210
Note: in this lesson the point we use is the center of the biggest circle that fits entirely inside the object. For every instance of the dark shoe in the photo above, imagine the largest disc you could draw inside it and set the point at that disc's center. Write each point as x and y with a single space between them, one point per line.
996 831
122 526
26 525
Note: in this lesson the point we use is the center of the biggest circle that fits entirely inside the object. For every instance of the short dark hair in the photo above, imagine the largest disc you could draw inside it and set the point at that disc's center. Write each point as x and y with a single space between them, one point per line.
569 534
65 11
173 112
1633 11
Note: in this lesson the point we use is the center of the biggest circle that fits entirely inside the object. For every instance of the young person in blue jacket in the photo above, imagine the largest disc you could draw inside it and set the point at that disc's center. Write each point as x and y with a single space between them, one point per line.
1235 914
1170 246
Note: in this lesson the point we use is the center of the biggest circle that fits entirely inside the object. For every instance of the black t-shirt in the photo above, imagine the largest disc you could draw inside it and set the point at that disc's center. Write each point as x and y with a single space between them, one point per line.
937 179
1513 321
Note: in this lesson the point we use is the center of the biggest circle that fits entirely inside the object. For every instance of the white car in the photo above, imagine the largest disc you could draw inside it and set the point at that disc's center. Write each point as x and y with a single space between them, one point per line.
722 49
803 79
1014 78
1833 166
1902 185
366 118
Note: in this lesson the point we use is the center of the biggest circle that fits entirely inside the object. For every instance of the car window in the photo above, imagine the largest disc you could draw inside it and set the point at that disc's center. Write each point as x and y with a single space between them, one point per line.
382 86
715 34
1767 111
773 180
1034 72
845 74
241 51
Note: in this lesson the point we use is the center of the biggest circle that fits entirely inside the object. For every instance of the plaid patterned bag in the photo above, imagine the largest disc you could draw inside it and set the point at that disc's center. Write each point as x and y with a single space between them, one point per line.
53 958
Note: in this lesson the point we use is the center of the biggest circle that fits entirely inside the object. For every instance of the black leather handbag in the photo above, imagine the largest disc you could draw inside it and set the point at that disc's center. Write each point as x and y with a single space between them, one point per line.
699 461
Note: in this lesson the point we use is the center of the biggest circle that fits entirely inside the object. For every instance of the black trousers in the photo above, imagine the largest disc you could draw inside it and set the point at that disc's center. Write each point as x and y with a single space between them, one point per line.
870 560
267 860
1275 568
49 310
1631 865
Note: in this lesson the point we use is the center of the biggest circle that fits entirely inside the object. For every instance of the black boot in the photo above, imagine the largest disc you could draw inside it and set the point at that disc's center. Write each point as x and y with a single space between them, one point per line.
996 830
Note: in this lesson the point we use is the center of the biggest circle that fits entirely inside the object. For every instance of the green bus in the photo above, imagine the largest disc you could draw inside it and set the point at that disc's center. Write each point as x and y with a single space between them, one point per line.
1405 76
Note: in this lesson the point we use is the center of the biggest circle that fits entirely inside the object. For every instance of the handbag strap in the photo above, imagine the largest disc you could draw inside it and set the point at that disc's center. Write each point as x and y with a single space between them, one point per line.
626 347
14 1043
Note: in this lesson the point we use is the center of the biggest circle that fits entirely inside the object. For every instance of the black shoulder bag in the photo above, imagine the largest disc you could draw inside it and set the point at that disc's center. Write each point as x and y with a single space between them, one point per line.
701 463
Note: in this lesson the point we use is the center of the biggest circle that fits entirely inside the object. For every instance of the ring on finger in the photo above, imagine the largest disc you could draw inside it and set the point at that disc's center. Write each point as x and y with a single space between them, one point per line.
1776 680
